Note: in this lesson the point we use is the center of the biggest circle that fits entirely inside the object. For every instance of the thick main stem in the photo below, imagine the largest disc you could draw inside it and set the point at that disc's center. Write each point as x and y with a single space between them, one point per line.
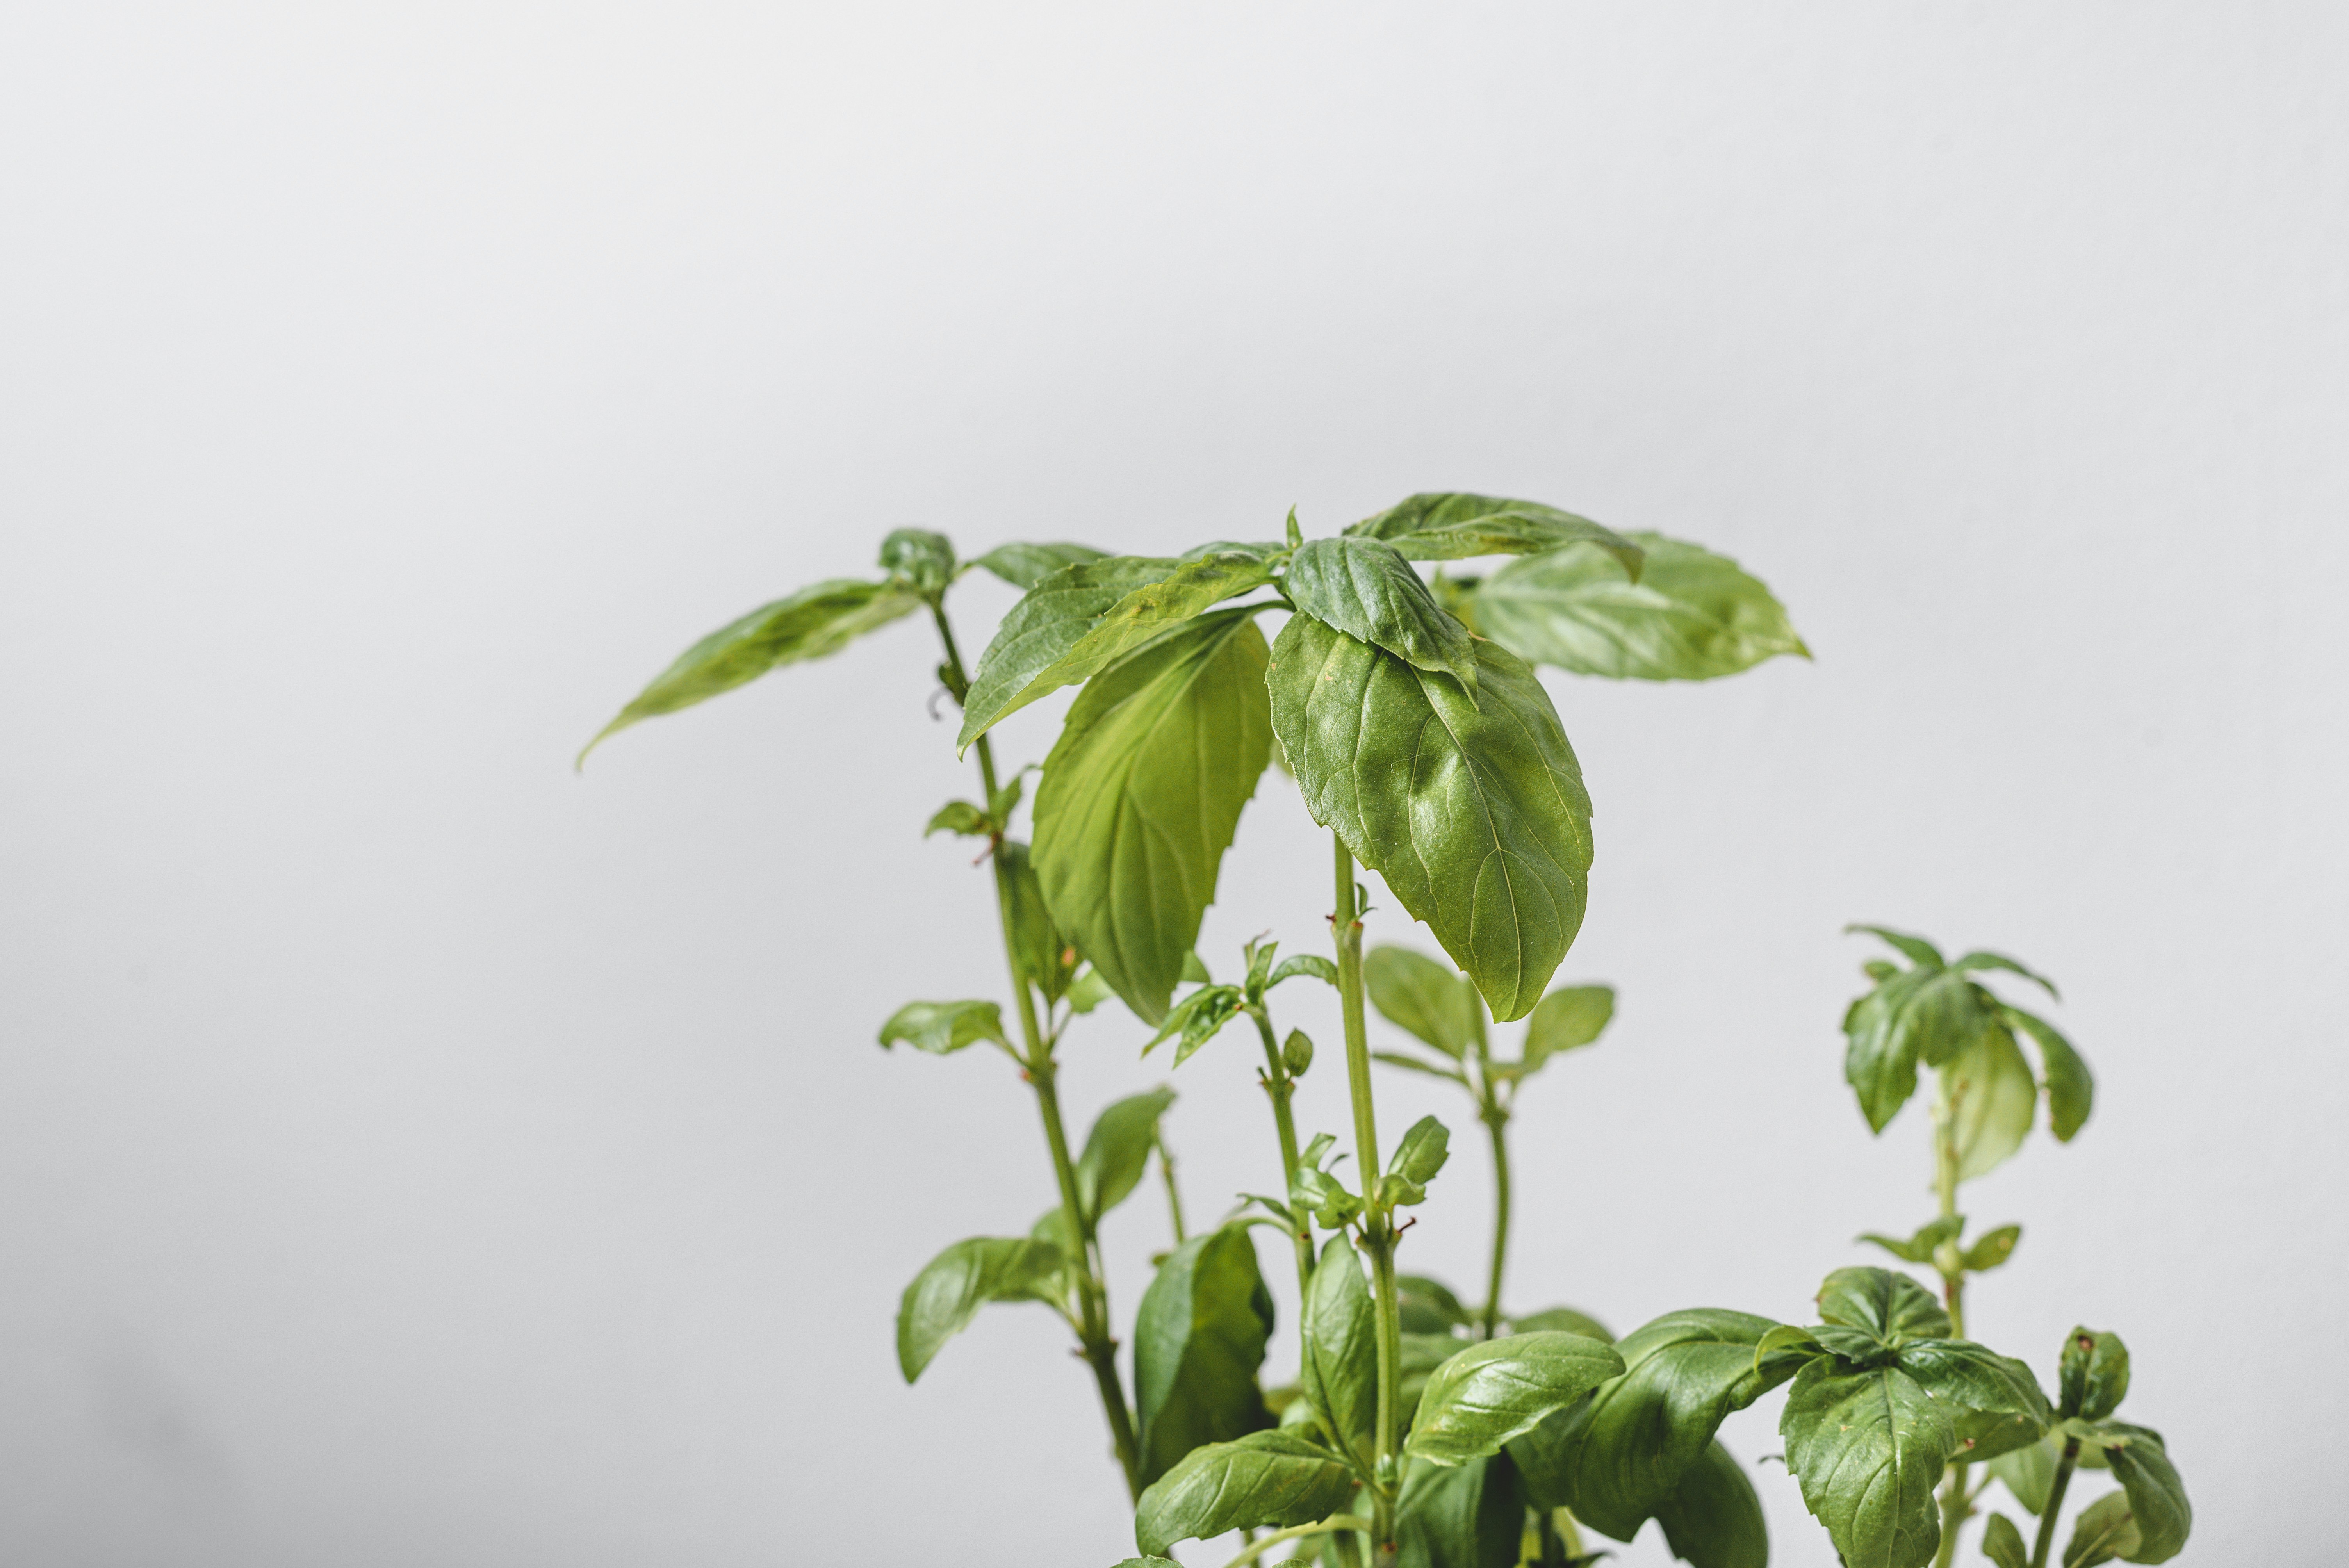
1955 1509
1378 1220
1281 1089
1496 1123
2047 1515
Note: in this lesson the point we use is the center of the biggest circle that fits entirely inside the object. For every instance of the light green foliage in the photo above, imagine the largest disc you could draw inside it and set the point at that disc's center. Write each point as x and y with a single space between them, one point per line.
1920 1248
1480 1397
1117 1149
1361 587
1992 1249
951 1288
1417 1159
943 1027
1995 1097
1691 615
1044 952
1273 1477
1025 565
1053 617
1433 1001
1568 1017
1197 1018
2003 1543
1340 1370
1451 525
923 561
2071 1089
1200 1338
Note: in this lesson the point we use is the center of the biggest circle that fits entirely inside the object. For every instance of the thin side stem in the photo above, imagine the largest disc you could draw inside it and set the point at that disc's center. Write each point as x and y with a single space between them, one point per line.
1956 1508
1496 1123
2047 1515
1378 1223
1173 1194
1281 1089
1258 1548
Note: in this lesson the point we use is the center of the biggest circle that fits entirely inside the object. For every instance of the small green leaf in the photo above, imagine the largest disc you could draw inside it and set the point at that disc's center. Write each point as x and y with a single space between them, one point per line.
1713 1520
1888 1307
1194 970
1927 1014
942 1027
1141 795
820 619
1414 992
1045 954
2106 1529
1451 525
1488 1393
1052 618
1365 590
959 817
1692 615
1200 1338
1421 1152
1429 1306
1005 799
1339 1366
1296 1052
1025 565
1915 949
1995 1097
1150 1562
1460 1516
2029 1473
1275 1478
1432 1069
1196 1018
1992 1249
1920 1248
1562 1320
1786 1348
1087 991
1311 963
2000 960
2094 1374
1473 809
1326 1196
1118 1148
2003 1543
2157 1497
949 1290
924 560
2070 1088
1869 1448
1570 1016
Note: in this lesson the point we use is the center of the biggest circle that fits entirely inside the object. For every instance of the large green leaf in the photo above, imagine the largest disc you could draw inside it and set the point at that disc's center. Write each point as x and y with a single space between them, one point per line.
1995 1097
2001 1406
1025 565
1460 1516
1890 1307
1617 1457
1484 1396
1141 795
1415 993
942 1027
1868 1448
820 619
1475 815
1570 1016
2070 1088
1713 1520
1451 525
1118 1148
2157 1497
1922 1014
1052 618
1340 1360
1367 591
1198 1340
951 1288
1277 1477
1691 617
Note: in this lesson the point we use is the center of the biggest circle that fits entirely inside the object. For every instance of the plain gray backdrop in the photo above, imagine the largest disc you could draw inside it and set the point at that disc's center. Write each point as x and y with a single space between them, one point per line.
413 1153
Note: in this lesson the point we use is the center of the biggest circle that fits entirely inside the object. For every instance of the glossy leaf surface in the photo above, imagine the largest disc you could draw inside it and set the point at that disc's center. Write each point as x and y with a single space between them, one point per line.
1340 1367
1052 618
1692 614
1890 1307
1923 1014
923 560
1452 525
2093 1374
1869 1448
1200 1338
1273 1477
1486 1394
1361 587
942 1027
951 1288
2157 1497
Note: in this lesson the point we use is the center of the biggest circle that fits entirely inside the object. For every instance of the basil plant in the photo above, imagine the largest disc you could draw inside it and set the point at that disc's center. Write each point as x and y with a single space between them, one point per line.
1415 1428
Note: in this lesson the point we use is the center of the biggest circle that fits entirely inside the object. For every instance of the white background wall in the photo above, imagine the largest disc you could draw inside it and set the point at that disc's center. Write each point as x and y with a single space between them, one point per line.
412 1153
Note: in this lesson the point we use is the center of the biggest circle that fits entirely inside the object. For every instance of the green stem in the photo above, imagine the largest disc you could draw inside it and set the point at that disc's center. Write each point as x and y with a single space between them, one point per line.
1281 1088
1173 1194
1497 1121
1378 1223
2054 1502
1335 1522
1955 1508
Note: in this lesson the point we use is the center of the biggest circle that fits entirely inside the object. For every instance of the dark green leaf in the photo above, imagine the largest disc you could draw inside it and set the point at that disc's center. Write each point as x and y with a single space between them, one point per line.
924 561
1339 1366
2000 1406
1890 1307
959 817
1570 1016
1992 1249
820 619
1025 565
1198 1340
1713 1520
1141 795
1311 963
1045 955
944 1026
2000 960
2003 1543
1563 1320
2157 1497
1118 1148
1920 1248
1868 1448
2029 1473
1460 1516
1451 525
2070 1088
1365 590
1994 1099
1196 1018
1927 1014
1414 992
2094 1374
1475 816
1693 615
2106 1529
1053 618
1488 1393
1296 1052
947 1293
1428 1305
1277 1477
1915 949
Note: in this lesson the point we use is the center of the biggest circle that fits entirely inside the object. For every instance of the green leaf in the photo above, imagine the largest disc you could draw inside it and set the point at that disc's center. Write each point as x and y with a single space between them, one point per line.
1868 1448
2157 1497
959 817
1365 590
820 619
2094 1374
1915 949
1926 1013
1087 991
1449 525
1432 1069
924 560
1196 1018
1118 1148
1200 1338
2003 1543
1052 618
1296 1052
2106 1529
1421 1355
1563 1320
1141 795
942 1027
2001 961
2029 1473
1414 992
1920 1248
2000 1408
1194 970
1692 615
1150 1562
1044 952
1460 1516
1476 817
949 1290
1617 1457
1570 1016
1995 1097
1275 1478
2070 1088
1422 1151
1331 1204
1429 1306
1786 1348
1025 565
1311 963
1888 1307
1992 1249
1339 1365
1713 1520
1488 1393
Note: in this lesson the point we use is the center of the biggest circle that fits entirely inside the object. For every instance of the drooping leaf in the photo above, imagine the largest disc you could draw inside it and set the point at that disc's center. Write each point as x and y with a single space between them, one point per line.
1414 992
1052 618
1200 1338
1365 590
942 1027
1920 1247
1915 949
1888 1307
1991 1248
1277 1477
924 561
1429 1306
1025 565
1141 795
960 817
1451 525
1117 1151
1312 963
1087 991
1869 1448
2106 1529
1045 955
1339 1363
2093 1375
820 619
2001 961
1563 1319
1692 615
2003 1543
1570 1016
951 1288
1922 1014
2157 1497
1432 1069
2029 1473
1713 1520
1486 1394
1460 1516
1995 1097
1475 815
2070 1088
